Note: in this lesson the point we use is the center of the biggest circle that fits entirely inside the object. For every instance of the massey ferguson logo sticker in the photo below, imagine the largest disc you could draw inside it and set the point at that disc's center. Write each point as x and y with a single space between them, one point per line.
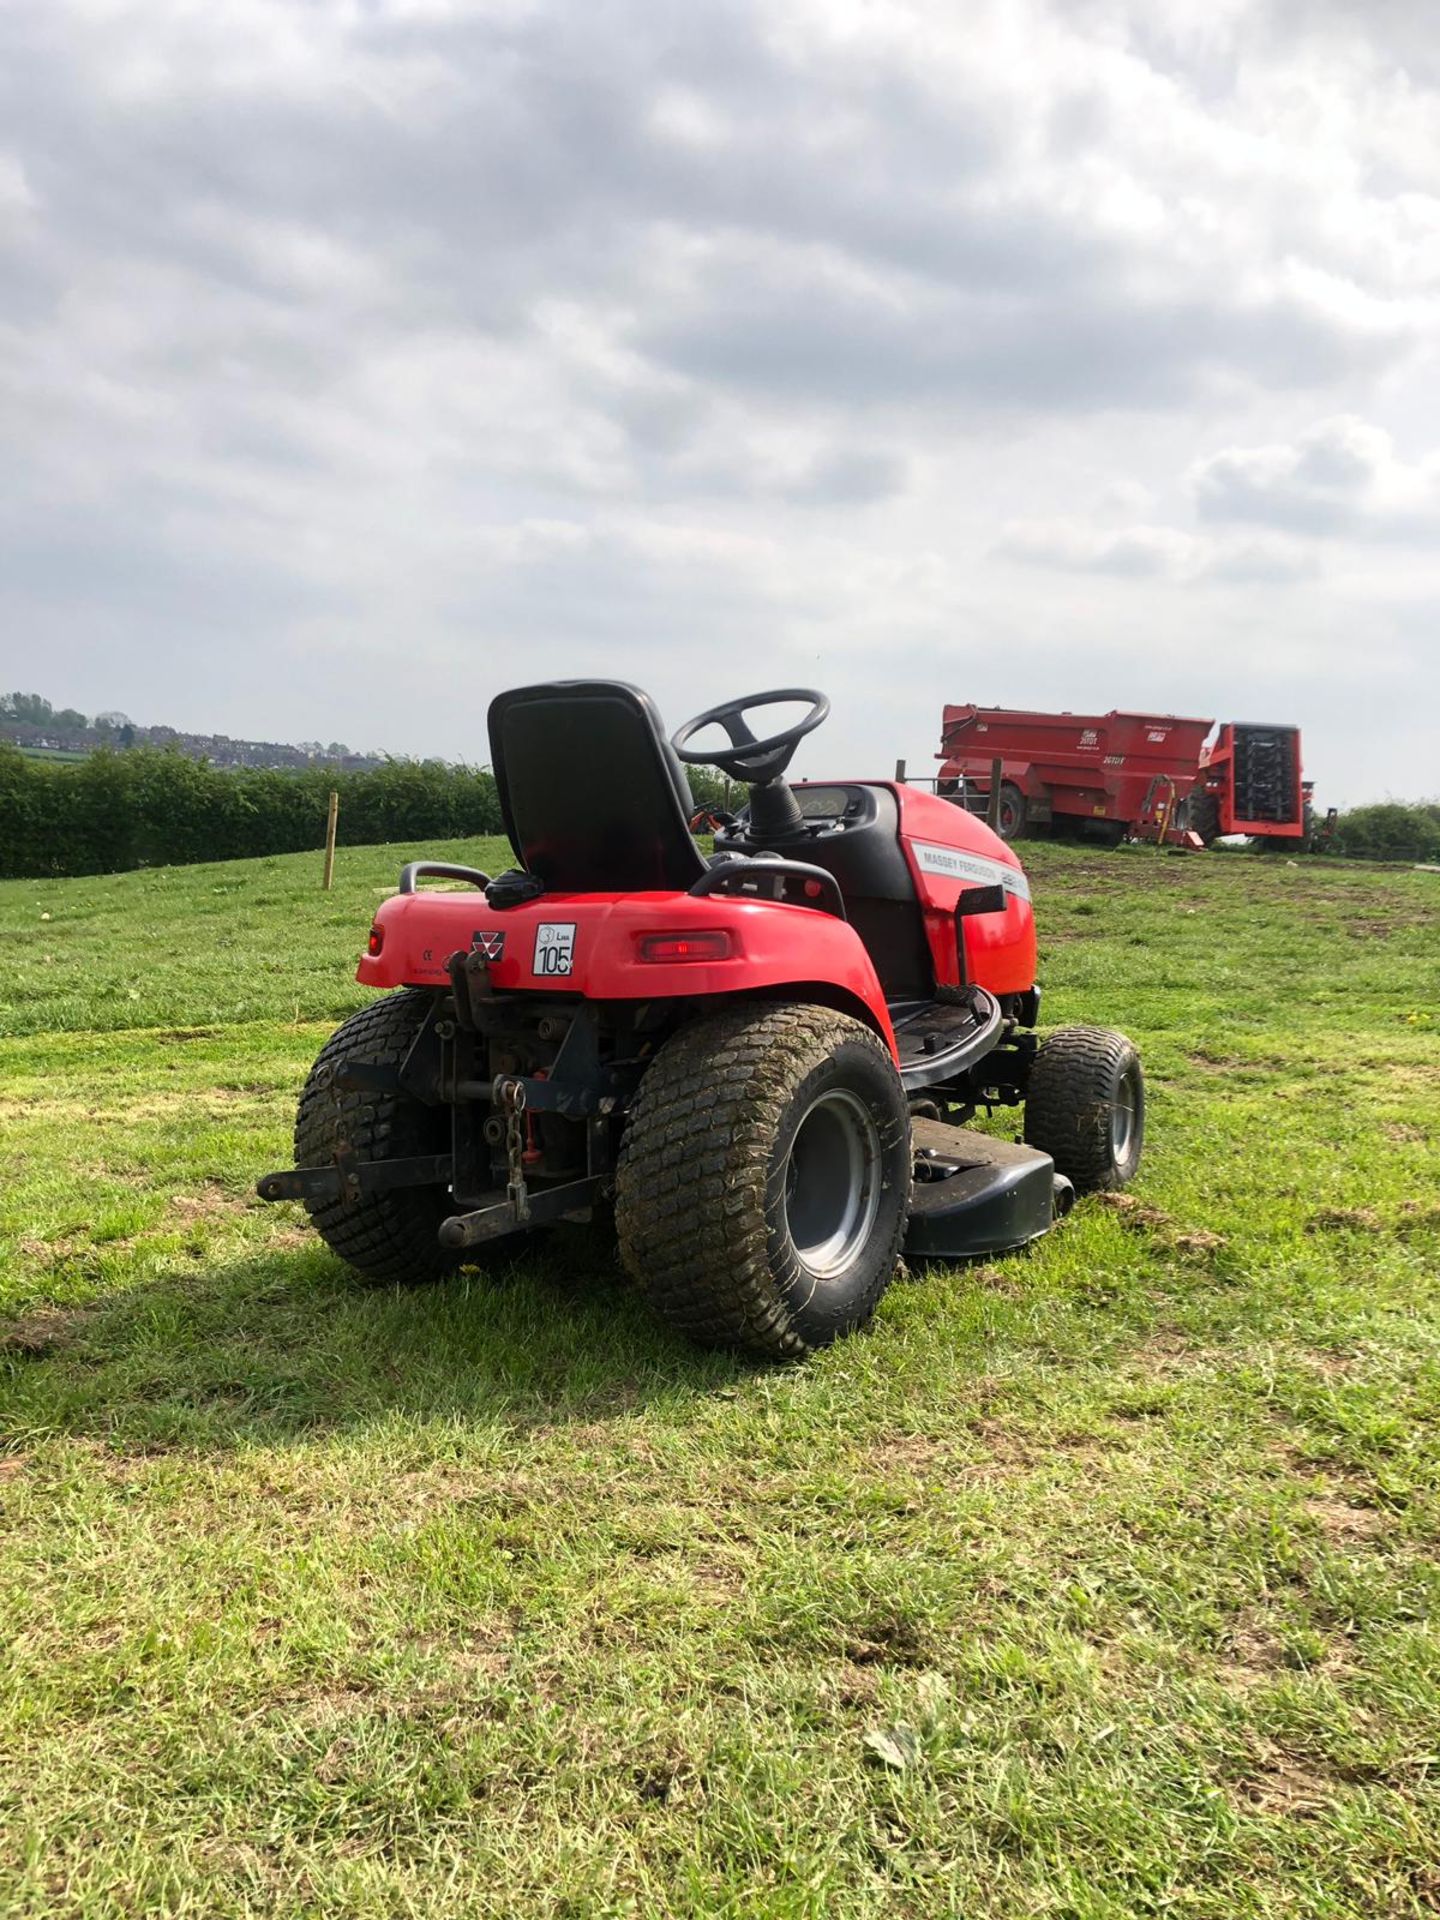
555 948
973 868
492 945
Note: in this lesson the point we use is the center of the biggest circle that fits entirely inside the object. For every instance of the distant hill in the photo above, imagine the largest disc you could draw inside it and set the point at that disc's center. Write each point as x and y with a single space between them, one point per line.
30 722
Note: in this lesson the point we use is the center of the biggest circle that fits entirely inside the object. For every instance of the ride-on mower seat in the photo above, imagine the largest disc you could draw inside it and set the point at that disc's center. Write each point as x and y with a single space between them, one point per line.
593 796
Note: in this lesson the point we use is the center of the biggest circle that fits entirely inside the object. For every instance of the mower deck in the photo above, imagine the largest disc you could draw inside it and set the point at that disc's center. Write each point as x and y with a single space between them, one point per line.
975 1195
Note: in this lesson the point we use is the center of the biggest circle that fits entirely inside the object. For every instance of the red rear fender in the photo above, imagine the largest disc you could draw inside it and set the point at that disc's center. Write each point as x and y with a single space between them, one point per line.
634 946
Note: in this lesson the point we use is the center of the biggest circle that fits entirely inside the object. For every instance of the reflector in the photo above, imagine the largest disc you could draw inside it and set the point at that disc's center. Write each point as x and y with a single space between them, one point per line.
711 943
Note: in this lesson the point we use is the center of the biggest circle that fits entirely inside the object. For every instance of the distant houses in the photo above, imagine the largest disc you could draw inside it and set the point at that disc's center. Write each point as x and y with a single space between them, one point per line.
218 748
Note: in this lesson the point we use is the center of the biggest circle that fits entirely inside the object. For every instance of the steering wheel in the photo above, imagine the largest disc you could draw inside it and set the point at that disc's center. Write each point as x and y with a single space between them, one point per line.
746 758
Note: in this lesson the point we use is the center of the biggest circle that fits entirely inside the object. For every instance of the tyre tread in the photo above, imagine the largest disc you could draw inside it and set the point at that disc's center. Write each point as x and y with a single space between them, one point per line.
694 1165
388 1236
1067 1101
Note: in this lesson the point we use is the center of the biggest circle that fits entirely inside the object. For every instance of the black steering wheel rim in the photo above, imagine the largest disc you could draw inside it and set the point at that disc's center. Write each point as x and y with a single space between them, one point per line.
747 758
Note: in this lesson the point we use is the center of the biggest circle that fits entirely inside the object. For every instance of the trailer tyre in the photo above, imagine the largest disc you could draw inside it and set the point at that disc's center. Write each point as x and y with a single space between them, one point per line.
763 1182
1202 816
389 1236
1013 814
1085 1107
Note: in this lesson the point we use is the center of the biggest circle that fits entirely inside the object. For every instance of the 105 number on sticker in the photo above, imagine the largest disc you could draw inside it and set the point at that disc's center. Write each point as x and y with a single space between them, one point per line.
555 949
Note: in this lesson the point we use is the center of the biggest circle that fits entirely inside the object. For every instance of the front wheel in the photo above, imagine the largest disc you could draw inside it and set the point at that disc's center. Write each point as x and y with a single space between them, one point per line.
1085 1107
764 1179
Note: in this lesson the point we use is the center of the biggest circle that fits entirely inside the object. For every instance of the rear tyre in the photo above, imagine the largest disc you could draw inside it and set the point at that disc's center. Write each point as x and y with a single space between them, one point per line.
1085 1107
764 1178
1202 816
389 1236
1013 816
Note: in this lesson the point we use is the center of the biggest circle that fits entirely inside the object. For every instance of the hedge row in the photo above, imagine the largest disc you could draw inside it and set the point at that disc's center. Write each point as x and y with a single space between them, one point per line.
1390 830
146 808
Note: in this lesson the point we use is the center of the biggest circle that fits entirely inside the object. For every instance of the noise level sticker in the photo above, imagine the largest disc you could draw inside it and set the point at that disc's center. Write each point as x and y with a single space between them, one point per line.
555 948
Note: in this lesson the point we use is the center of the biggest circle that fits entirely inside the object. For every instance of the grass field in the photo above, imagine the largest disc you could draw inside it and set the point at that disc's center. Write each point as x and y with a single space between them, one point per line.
495 1599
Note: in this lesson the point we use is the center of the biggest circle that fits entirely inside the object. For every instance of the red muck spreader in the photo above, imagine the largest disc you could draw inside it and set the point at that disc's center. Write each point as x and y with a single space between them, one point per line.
1117 775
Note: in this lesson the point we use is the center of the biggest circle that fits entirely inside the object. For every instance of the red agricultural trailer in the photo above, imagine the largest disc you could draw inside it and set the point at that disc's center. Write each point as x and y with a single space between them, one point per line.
1123 774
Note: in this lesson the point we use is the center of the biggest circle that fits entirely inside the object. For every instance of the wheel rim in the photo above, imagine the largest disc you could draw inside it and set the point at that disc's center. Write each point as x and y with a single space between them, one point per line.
1125 1115
832 1183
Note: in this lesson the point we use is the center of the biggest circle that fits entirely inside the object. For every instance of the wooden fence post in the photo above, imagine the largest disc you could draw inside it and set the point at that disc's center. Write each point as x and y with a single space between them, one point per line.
331 819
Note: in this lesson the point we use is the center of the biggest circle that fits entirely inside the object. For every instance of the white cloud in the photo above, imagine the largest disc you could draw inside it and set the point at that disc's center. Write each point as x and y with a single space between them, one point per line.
1341 475
1155 552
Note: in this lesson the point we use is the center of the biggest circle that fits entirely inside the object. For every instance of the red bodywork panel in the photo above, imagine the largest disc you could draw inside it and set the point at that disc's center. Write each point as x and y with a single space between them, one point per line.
948 850
1084 766
1277 815
590 944
771 945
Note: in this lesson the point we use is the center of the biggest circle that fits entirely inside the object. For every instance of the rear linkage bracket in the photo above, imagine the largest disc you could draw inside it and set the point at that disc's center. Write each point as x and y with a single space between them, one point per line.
578 1086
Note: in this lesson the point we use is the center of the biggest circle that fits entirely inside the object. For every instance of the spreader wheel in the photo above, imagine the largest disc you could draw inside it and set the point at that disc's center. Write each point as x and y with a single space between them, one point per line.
1085 1106
1013 814
387 1236
1202 816
764 1178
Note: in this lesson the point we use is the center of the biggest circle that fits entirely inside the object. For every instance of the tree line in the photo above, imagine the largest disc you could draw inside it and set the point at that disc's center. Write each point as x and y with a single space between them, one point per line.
114 811
1389 830
146 808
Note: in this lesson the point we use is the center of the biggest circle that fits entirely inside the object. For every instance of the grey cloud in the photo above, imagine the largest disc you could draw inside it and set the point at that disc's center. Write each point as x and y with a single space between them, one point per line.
1341 475
1154 552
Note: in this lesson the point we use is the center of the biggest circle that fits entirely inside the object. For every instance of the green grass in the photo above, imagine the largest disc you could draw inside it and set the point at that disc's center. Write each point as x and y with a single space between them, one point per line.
495 1599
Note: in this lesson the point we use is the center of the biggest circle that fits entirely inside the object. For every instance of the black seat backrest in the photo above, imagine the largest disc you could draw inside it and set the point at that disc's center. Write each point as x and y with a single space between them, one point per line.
593 796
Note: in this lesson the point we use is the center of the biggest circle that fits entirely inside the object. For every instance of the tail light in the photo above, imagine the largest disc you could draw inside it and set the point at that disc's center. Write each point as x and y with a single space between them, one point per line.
377 939
711 943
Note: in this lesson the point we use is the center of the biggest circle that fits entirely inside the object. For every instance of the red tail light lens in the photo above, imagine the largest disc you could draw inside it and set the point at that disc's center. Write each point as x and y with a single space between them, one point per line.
709 944
377 939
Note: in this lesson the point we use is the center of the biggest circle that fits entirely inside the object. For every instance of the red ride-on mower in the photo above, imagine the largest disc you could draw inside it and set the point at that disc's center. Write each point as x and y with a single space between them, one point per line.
765 1057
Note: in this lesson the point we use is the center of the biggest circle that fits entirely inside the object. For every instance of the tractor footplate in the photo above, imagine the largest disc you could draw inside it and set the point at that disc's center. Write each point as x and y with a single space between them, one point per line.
938 1039
975 1195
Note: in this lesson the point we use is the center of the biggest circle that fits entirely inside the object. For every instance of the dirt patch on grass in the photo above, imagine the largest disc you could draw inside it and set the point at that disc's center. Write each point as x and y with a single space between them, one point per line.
852 1687
718 1581
1344 1220
1164 1232
888 1639
1345 1522
1403 1133
1253 1655
1208 1060
213 1202
1284 1784
46 1330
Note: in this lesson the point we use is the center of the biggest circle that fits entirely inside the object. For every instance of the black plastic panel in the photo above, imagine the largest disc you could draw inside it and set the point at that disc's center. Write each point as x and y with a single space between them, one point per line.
1002 1196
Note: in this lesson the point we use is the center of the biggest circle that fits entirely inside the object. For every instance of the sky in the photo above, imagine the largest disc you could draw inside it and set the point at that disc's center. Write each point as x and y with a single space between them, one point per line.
360 359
